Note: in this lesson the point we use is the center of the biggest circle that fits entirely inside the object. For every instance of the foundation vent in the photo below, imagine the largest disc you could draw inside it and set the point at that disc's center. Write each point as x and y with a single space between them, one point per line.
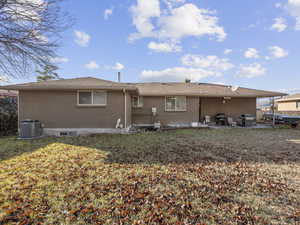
68 134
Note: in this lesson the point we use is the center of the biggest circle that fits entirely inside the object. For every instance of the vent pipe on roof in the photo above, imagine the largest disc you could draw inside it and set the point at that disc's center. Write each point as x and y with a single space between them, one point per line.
234 88
119 77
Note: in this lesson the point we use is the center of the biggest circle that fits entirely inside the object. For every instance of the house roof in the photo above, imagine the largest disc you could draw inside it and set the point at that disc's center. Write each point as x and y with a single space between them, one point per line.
146 89
201 89
7 93
71 84
289 98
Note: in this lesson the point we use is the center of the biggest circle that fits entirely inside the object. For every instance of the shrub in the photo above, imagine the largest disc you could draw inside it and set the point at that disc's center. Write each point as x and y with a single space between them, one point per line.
8 116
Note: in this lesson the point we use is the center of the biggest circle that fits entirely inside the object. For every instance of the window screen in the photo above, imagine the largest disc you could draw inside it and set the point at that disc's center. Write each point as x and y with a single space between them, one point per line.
137 102
176 103
85 98
92 97
99 98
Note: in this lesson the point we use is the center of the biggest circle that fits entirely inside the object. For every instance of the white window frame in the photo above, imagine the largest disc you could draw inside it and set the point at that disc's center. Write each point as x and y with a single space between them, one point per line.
298 104
140 103
92 95
176 109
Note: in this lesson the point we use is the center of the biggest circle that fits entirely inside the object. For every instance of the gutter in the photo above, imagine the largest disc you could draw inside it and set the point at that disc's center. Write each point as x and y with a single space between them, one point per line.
125 108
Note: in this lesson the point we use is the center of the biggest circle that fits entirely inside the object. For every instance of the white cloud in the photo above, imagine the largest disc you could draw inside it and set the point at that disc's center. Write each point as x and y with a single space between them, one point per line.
279 24
4 79
189 20
118 66
278 5
195 67
290 90
164 47
227 51
175 24
251 53
293 7
212 62
92 65
82 38
176 74
142 13
267 58
59 60
107 13
278 52
251 71
173 3
39 37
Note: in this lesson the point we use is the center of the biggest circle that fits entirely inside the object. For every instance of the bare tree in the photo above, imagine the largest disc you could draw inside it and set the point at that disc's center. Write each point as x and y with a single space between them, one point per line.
29 34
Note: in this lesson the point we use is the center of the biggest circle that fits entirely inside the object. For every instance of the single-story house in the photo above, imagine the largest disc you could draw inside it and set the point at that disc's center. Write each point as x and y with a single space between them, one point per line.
95 105
289 105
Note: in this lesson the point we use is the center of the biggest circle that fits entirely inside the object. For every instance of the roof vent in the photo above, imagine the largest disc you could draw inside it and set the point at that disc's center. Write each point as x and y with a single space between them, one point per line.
119 77
234 88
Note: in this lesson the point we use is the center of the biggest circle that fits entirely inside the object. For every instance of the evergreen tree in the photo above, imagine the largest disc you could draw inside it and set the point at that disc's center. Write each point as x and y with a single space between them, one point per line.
48 73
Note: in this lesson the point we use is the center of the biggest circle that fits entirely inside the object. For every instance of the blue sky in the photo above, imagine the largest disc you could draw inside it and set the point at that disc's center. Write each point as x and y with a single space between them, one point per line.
168 40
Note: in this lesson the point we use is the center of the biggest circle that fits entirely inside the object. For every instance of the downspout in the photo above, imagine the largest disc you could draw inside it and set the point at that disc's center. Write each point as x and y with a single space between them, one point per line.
273 109
125 108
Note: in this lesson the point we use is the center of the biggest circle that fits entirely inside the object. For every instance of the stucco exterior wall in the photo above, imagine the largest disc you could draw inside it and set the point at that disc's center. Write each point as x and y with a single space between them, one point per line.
287 106
58 109
233 108
144 115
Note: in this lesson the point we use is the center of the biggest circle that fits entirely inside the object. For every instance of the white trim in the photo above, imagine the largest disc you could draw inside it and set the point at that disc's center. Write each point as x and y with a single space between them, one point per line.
92 96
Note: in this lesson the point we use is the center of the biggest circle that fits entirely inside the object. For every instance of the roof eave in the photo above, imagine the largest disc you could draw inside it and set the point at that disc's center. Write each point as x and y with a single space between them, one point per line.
211 96
24 88
288 100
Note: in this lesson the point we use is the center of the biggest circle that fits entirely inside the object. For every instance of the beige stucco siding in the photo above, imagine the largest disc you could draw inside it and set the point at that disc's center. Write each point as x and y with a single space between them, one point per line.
287 106
233 108
144 115
58 109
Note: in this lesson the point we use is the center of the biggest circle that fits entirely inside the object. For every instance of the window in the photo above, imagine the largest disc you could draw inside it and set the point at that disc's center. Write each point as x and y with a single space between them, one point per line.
176 103
137 101
92 98
298 104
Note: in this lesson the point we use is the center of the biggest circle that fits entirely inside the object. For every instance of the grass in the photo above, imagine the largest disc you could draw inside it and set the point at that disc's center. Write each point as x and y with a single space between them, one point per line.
223 176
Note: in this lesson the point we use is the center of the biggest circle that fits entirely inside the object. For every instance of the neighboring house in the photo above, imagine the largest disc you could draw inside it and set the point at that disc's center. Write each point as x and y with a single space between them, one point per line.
289 105
96 105
6 93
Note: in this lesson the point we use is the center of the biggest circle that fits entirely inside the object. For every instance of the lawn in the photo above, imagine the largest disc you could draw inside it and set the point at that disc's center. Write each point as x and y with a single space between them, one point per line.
209 176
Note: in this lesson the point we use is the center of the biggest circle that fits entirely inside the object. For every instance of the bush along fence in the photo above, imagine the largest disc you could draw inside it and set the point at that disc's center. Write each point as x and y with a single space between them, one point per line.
8 116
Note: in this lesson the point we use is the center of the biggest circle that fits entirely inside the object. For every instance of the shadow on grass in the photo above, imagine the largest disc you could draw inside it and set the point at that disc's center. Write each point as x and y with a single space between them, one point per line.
178 147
